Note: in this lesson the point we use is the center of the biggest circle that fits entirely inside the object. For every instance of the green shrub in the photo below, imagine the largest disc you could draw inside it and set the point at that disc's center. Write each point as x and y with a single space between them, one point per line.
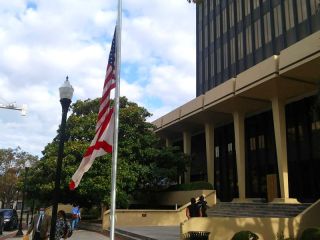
311 234
245 235
191 186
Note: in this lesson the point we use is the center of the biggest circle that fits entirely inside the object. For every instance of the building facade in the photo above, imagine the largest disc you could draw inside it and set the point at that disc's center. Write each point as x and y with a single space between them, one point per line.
256 113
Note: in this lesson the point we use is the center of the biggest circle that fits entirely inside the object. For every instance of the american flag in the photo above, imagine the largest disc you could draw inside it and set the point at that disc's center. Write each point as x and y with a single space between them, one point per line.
103 140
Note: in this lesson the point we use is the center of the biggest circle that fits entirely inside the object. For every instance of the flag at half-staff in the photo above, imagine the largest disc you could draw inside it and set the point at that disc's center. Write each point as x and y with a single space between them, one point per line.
102 142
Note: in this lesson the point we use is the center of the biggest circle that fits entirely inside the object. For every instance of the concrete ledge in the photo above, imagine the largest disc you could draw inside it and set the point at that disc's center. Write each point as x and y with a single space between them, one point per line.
293 55
171 117
219 93
286 200
193 106
263 71
158 123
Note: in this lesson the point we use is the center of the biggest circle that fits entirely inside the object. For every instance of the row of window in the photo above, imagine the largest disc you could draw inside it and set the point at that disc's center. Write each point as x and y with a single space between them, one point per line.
214 25
224 40
241 5
259 143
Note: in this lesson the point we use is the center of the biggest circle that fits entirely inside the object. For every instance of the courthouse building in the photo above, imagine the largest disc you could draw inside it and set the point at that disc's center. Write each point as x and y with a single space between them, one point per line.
255 113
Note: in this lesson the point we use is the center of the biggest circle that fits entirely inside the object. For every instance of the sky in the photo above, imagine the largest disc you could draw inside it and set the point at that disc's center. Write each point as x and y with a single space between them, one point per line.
43 41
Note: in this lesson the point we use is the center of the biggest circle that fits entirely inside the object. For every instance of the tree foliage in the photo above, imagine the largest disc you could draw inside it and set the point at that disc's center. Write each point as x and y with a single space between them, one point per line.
142 160
195 1
12 165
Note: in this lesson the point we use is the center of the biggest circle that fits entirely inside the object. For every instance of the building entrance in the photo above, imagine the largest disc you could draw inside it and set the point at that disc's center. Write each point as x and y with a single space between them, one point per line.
225 169
303 137
261 158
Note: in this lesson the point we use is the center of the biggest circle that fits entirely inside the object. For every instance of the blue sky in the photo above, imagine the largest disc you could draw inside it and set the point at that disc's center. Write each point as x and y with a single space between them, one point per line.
42 41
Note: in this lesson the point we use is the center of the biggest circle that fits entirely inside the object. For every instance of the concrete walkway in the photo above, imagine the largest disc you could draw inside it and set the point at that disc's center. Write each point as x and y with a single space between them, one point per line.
77 235
156 232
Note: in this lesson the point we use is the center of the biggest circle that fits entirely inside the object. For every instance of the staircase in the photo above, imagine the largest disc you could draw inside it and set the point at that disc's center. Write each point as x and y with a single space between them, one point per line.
256 209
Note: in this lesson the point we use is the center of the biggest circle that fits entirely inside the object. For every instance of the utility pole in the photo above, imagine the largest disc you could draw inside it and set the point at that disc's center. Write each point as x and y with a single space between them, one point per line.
13 106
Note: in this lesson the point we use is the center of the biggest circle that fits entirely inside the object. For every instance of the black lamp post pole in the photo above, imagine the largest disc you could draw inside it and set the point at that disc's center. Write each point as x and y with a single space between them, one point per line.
20 233
65 103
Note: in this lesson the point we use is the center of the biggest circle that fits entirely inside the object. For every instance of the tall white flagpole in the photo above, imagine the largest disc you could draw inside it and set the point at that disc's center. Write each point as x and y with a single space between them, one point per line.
116 122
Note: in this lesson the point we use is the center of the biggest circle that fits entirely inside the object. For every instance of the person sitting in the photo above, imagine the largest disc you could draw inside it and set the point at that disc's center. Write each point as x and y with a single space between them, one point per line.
193 209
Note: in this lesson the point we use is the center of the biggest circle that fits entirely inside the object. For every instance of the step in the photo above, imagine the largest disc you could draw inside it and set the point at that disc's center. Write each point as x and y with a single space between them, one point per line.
256 209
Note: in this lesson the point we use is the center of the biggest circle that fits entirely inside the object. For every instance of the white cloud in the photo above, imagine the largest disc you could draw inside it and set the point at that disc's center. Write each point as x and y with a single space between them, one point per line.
43 44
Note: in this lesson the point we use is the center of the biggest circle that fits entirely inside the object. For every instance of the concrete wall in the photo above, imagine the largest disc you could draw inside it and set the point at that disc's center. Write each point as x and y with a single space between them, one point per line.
156 217
223 228
65 207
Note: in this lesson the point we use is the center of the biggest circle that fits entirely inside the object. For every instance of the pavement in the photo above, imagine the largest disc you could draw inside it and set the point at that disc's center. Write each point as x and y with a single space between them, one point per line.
77 235
149 232
93 233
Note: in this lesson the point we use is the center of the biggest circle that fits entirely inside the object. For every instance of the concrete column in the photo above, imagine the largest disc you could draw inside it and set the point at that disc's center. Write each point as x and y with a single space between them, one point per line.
209 133
238 118
187 150
279 122
168 142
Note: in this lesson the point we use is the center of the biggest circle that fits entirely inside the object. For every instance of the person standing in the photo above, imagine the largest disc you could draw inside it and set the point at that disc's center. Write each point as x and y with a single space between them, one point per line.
62 226
202 204
75 214
40 226
193 209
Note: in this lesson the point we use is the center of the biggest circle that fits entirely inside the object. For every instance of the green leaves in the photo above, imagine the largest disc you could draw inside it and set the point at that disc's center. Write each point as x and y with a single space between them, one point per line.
142 161
12 167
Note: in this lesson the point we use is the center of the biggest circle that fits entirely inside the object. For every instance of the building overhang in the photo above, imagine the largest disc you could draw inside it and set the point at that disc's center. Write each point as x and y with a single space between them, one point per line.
295 72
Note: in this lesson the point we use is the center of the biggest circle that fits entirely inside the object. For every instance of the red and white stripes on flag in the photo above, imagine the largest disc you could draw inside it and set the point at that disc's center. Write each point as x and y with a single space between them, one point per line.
102 142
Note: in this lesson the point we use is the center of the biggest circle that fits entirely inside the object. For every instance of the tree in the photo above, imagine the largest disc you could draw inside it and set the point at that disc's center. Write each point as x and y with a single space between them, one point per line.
141 158
12 164
195 1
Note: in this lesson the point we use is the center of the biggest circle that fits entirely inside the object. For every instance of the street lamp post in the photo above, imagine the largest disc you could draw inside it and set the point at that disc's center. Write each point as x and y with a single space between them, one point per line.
66 92
20 233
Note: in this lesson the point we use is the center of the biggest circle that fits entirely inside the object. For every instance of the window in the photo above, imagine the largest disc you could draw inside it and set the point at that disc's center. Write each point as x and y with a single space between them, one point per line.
224 20
218 26
229 147
225 56
302 10
267 28
200 40
206 36
315 6
205 6
200 80
217 2
211 5
217 151
315 125
257 34
232 51
247 9
255 4
231 14
218 60
252 144
206 70
239 10
277 21
291 133
212 63
289 14
200 12
261 142
240 45
248 40
212 31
